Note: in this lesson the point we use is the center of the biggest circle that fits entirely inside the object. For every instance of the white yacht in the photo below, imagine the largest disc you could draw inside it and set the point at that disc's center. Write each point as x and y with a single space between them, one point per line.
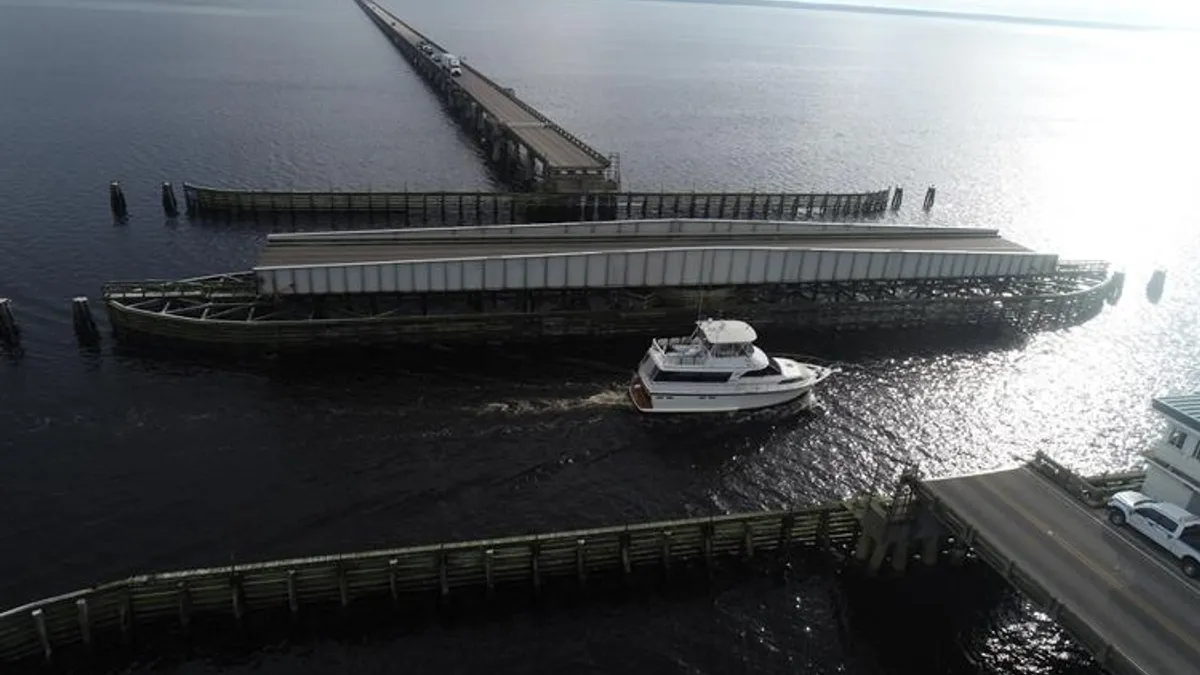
717 369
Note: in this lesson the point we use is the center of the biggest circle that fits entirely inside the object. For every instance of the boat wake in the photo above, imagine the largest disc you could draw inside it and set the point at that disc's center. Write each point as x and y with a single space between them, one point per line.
614 397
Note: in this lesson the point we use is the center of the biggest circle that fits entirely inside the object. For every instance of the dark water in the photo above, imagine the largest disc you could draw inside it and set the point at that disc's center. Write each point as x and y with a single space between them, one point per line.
1082 142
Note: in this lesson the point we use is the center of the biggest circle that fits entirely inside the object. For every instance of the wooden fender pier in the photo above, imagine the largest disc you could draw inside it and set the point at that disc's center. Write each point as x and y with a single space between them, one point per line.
110 613
994 517
456 209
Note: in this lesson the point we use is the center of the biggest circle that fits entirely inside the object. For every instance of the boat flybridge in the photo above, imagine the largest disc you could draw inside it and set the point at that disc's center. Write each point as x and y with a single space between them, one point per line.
718 369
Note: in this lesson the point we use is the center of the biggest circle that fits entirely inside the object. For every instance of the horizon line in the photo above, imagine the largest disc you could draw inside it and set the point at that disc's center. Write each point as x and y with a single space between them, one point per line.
940 14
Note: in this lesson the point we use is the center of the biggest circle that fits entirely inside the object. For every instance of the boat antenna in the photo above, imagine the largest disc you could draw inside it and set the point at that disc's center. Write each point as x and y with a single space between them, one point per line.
699 305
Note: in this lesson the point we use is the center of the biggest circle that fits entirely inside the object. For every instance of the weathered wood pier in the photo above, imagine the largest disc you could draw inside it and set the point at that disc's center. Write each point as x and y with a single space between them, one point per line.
436 209
111 614
926 521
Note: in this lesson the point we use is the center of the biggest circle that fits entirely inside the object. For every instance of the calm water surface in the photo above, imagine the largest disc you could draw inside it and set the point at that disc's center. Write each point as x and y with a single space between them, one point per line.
1081 142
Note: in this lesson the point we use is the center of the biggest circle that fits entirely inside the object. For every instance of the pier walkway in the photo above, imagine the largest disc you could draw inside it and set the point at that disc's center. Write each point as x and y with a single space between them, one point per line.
1130 606
517 133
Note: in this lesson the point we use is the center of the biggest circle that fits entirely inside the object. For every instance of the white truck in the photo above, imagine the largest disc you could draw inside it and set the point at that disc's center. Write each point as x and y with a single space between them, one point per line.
451 63
1172 527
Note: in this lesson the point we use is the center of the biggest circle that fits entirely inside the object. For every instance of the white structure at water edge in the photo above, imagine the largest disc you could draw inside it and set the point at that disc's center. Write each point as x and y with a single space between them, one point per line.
717 369
1173 463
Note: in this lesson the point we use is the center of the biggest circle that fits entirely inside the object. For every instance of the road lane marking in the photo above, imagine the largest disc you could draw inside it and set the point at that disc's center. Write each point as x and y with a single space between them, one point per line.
1126 535
1187 639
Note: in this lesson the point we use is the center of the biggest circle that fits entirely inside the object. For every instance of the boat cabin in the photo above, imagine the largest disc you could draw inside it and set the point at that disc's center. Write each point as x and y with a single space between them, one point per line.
1173 462
715 352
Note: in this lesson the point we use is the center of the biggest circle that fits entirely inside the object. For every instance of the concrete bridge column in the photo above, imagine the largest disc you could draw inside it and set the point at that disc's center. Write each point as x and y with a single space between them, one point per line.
530 165
512 154
930 549
500 150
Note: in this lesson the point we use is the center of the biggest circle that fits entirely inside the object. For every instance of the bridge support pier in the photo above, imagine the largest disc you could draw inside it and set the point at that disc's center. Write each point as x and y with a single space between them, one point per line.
930 548
885 534
530 172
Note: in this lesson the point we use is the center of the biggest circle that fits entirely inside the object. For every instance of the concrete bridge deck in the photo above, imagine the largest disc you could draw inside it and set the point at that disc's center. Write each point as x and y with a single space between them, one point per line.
1111 583
280 253
329 248
558 149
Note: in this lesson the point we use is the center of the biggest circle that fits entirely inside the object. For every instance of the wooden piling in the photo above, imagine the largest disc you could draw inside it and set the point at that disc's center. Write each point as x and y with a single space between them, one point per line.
443 577
393 588
185 605
1118 287
85 621
343 585
85 325
535 550
39 623
897 199
293 600
489 580
900 554
785 533
930 195
706 545
116 200
1154 288
581 561
125 617
929 550
235 597
10 332
170 206
626 563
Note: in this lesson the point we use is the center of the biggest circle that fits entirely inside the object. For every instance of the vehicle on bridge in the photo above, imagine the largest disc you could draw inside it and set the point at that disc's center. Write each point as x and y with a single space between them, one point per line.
451 63
1170 526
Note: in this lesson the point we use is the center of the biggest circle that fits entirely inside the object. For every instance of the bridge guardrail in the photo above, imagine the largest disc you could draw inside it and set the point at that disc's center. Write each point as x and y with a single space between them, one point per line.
94 614
1084 634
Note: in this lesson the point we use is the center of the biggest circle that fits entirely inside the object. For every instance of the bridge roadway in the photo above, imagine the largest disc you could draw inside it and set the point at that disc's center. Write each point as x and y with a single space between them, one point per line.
329 251
1135 598
550 144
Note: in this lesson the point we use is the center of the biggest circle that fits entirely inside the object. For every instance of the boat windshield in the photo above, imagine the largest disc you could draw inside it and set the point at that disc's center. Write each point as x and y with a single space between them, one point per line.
772 368
733 349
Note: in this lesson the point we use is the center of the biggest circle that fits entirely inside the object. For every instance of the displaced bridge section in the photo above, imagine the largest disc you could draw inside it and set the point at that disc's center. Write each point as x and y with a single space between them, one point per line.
632 254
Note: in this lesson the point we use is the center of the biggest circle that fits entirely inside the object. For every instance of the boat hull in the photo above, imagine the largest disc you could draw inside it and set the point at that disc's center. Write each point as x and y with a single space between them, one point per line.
699 402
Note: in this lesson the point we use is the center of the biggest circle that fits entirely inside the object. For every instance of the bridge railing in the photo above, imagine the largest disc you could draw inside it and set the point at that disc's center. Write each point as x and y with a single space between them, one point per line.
111 610
1093 491
228 285
1083 633
537 114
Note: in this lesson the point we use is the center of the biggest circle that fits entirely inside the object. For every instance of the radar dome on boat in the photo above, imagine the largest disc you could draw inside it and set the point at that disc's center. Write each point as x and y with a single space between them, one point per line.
724 332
